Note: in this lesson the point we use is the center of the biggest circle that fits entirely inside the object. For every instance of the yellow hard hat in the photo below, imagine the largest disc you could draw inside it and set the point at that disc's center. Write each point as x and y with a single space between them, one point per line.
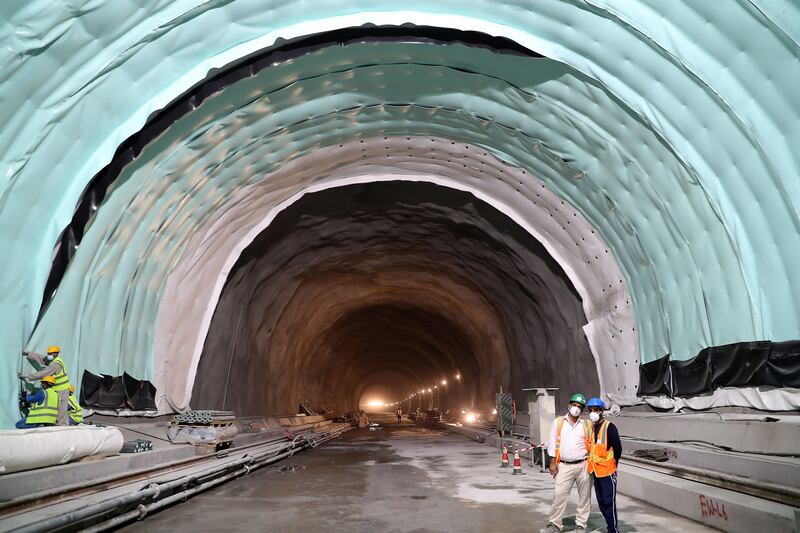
72 389
54 349
48 379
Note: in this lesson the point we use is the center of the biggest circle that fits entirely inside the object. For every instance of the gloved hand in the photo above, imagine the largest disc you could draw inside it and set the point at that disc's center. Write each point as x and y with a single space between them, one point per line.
23 376
25 353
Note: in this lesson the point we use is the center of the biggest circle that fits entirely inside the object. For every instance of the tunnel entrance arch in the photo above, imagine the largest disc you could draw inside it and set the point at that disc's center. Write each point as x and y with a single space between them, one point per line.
563 232
393 278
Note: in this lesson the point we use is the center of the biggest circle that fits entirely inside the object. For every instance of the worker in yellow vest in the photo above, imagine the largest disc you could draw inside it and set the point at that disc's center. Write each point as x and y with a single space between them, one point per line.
605 450
75 410
43 410
52 365
568 449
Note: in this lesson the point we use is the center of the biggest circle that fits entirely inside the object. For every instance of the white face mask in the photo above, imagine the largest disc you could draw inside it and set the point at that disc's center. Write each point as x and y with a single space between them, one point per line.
594 417
575 411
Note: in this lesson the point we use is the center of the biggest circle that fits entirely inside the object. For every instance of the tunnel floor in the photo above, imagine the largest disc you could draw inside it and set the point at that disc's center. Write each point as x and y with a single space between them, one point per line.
398 478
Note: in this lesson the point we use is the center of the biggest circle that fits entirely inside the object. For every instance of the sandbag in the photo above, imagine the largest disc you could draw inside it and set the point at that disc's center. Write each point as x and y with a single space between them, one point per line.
25 449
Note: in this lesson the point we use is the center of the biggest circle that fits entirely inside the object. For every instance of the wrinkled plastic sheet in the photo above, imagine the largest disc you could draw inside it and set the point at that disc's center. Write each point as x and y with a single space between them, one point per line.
743 364
116 393
201 434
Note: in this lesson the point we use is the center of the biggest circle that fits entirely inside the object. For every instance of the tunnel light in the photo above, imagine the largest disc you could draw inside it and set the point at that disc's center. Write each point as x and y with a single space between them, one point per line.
494 411
436 386
444 382
429 390
458 376
375 403
471 418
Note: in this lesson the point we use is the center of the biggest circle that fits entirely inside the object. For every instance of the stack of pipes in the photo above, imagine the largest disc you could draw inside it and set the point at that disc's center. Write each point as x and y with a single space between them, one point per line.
204 418
136 446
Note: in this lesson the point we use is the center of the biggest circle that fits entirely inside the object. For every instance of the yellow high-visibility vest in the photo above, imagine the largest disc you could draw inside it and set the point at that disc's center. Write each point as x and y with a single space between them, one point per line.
75 411
62 380
45 412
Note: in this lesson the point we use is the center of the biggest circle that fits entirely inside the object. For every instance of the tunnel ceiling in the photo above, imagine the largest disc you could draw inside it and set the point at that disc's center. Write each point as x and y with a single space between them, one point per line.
667 129
397 284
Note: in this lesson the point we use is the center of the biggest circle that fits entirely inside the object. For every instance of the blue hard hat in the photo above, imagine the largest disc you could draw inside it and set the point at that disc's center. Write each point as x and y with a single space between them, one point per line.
596 402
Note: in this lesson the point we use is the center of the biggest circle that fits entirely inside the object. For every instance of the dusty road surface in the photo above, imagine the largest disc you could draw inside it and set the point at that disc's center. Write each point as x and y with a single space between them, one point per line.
398 478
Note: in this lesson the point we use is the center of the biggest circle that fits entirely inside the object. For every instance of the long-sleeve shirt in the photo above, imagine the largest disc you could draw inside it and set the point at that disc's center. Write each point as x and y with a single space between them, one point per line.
35 397
47 370
573 440
613 439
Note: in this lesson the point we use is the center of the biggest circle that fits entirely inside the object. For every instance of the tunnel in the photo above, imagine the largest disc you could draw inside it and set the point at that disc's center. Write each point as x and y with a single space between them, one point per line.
314 207
398 285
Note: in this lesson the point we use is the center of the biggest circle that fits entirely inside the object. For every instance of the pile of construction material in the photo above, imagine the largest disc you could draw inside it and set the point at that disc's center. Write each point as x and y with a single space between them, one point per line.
208 430
136 446
205 418
153 489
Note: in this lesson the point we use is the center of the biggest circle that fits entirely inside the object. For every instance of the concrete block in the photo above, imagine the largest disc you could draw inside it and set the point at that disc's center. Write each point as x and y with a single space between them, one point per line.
767 469
719 508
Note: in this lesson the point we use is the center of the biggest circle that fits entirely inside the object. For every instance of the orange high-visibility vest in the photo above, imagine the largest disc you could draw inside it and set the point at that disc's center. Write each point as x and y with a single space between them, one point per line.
601 457
586 430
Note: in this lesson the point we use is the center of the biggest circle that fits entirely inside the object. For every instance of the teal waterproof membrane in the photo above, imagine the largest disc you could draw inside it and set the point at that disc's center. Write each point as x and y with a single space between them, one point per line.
665 132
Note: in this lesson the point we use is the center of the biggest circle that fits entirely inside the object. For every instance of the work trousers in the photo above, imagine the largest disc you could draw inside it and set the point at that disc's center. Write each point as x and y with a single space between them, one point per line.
63 406
605 490
567 476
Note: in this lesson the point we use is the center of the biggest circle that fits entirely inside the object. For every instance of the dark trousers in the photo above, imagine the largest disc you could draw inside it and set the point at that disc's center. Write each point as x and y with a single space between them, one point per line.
605 490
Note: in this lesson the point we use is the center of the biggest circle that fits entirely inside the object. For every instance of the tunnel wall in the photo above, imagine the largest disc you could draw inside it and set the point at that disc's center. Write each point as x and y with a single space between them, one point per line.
687 73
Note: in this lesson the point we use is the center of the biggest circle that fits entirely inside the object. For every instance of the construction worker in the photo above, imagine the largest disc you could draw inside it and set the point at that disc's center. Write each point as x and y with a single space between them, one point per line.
399 414
54 366
568 448
75 411
43 403
605 451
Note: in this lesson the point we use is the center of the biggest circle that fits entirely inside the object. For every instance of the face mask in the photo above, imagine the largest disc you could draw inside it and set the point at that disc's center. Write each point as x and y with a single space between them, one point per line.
575 411
594 417
48 359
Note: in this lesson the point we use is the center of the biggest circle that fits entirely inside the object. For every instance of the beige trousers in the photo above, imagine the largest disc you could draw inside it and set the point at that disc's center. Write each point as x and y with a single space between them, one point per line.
567 476
63 406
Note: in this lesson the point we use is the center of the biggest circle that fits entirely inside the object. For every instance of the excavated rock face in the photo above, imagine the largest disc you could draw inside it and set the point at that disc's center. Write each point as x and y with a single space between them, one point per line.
391 287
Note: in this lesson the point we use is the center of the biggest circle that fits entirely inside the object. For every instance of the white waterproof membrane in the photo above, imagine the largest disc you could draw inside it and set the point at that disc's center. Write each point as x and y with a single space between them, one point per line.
651 152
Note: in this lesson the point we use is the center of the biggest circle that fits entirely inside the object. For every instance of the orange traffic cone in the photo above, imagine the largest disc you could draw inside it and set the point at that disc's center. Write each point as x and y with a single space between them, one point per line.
504 457
517 470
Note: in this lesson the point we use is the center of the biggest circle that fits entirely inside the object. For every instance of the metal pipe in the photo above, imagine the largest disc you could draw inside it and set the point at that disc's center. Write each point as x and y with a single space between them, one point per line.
142 510
128 499
57 491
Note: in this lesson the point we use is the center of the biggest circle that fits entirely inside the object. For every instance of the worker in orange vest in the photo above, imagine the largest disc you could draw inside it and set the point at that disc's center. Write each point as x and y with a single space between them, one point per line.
605 450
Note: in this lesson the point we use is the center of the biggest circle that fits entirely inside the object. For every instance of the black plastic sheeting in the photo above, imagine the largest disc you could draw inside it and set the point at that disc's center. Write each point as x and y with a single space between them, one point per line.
117 392
742 364
218 80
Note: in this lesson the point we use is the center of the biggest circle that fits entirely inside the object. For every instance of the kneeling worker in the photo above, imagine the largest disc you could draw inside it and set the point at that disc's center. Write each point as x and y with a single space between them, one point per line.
568 448
43 409
605 451
75 411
